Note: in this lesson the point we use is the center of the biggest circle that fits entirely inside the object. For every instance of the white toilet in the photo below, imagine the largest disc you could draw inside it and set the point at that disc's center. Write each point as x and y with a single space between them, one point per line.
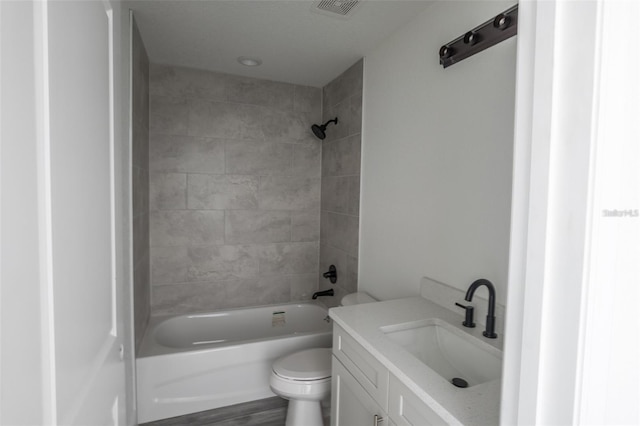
304 377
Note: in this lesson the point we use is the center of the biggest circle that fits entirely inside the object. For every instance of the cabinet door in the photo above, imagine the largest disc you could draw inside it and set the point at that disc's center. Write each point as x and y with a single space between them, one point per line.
406 409
351 405
365 368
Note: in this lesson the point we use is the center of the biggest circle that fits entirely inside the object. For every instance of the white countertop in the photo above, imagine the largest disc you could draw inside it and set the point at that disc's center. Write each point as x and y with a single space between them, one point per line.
476 405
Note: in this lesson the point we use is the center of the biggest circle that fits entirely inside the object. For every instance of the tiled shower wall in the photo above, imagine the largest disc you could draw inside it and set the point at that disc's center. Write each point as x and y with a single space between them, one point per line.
140 184
234 190
341 181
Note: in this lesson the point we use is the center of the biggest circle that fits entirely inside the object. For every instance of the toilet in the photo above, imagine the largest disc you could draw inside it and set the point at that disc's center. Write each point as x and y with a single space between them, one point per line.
304 377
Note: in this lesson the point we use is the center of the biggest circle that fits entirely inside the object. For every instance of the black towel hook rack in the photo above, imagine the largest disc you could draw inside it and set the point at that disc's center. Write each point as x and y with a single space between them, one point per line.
492 32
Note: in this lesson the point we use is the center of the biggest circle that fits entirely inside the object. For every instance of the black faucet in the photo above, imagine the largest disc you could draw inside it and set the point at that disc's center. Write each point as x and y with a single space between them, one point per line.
491 316
322 293
331 274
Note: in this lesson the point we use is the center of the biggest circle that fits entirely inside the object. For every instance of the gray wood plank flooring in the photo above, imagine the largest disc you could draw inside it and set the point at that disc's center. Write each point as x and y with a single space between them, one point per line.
264 412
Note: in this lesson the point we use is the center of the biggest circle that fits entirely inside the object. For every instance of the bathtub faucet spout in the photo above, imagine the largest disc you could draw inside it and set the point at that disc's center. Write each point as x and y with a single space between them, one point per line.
322 293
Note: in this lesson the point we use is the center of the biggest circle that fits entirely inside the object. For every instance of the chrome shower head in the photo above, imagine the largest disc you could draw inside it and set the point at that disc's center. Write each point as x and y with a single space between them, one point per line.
319 129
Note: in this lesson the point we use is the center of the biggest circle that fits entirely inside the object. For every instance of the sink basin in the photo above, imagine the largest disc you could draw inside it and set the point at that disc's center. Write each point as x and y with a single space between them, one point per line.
450 352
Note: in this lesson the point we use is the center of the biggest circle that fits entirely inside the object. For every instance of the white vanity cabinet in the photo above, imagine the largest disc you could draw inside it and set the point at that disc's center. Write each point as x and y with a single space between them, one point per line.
379 369
360 383
365 393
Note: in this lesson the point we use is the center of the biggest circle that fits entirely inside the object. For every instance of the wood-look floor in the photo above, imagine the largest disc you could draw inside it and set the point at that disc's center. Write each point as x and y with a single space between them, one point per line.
267 412
264 412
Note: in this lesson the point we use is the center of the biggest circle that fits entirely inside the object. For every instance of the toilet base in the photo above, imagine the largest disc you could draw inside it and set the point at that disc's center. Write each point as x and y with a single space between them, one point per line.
304 413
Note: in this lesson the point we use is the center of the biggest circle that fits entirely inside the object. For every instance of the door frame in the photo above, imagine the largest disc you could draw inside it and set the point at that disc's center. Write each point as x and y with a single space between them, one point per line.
560 175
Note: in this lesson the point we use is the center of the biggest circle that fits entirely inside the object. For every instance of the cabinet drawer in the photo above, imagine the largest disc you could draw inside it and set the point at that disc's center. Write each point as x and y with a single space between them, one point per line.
370 373
405 408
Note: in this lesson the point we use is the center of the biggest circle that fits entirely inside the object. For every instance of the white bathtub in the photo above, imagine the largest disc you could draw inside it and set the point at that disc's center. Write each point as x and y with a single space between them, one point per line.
191 363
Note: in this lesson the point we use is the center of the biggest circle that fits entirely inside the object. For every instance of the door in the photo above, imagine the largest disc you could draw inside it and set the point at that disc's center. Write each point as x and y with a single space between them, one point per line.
89 371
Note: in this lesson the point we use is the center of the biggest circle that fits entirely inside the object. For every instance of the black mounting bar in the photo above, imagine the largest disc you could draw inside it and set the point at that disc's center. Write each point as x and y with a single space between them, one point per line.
492 32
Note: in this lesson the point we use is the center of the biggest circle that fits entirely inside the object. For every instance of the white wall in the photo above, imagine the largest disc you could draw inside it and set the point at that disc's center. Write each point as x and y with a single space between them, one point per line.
437 157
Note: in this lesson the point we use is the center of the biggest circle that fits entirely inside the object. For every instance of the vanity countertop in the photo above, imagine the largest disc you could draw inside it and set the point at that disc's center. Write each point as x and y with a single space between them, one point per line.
476 405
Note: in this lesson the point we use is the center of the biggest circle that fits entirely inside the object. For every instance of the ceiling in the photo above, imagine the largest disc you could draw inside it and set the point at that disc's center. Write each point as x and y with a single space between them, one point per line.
296 45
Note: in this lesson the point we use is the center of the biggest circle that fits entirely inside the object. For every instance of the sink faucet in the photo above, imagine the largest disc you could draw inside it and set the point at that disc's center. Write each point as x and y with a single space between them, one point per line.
491 317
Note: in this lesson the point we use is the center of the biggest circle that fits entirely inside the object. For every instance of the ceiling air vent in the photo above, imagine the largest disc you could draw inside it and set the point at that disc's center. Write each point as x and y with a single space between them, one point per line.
336 8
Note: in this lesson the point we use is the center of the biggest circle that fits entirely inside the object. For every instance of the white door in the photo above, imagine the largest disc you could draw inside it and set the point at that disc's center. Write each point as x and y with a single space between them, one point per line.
89 372
572 342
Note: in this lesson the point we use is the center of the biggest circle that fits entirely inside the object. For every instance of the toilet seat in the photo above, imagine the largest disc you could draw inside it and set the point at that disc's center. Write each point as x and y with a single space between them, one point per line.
307 365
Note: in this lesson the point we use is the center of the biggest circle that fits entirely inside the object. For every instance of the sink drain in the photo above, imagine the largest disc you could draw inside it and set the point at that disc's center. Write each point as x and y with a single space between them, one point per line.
460 383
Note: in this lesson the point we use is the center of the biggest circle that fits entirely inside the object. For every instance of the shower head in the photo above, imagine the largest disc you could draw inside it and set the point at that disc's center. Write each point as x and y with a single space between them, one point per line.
319 130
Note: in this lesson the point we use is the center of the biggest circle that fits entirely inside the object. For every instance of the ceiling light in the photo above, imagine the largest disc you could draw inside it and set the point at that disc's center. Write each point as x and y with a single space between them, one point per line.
249 61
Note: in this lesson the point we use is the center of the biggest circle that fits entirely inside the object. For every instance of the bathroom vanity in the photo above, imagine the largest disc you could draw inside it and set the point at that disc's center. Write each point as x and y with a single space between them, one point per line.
392 363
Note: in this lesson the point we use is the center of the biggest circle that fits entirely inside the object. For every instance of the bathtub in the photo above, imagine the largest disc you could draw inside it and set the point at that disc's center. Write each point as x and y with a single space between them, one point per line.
192 363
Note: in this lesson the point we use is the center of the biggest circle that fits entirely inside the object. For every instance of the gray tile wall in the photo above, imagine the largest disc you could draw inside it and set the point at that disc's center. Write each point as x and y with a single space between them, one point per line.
340 189
235 186
140 185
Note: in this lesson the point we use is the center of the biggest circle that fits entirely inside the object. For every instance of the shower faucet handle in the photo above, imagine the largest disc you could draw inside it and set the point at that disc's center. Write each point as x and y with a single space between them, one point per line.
331 274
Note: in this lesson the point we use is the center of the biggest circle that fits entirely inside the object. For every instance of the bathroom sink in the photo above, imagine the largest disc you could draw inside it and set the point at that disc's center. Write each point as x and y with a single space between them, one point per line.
451 353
